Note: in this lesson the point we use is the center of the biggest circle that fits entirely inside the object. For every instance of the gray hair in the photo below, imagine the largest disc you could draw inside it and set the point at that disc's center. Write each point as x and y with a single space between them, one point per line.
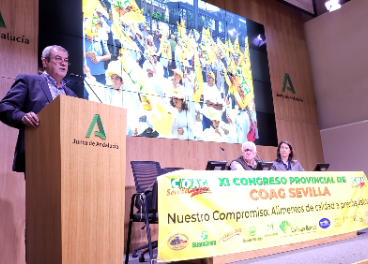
47 51
248 143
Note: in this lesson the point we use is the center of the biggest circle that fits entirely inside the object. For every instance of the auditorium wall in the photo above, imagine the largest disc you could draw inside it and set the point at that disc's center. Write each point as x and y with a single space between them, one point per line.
296 120
16 56
337 44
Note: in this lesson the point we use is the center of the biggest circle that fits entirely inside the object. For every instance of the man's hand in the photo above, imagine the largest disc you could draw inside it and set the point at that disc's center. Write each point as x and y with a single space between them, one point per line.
96 60
91 54
30 120
217 131
229 119
180 131
226 101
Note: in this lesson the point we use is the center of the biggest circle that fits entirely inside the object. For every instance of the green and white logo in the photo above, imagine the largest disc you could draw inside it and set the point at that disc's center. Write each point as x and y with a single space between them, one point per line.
284 226
101 132
204 235
289 87
2 23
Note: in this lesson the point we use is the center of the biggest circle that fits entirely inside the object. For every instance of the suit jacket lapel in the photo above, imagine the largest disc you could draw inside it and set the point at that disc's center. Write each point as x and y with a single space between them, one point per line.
66 90
45 88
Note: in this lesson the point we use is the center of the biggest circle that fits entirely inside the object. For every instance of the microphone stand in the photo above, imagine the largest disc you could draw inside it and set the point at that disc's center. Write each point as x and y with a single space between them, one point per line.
73 74
260 158
222 153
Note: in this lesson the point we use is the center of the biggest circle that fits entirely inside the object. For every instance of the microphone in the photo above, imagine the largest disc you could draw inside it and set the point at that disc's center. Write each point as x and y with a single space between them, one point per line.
221 150
260 158
76 75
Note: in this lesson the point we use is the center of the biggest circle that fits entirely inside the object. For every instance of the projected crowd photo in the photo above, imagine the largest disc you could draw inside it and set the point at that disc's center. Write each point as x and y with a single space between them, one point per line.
181 71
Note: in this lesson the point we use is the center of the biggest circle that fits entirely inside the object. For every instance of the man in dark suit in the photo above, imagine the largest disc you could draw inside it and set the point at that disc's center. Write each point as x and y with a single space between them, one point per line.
30 93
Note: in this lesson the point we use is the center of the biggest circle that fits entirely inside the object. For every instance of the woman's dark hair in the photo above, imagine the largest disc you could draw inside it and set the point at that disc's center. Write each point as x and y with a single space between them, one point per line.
184 105
291 155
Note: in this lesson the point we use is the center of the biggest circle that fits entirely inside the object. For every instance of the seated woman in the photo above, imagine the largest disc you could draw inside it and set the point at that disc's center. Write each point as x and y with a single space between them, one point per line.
285 160
183 125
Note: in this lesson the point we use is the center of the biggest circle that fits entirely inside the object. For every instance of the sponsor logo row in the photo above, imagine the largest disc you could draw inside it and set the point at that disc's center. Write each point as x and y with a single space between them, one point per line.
180 241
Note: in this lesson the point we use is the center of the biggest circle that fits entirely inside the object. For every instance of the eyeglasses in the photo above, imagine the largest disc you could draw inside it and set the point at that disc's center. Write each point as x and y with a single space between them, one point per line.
59 59
250 150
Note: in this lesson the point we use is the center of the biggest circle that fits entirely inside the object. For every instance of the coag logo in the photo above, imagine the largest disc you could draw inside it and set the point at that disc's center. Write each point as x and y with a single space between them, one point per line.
289 87
177 242
188 183
188 186
357 181
101 132
324 223
2 22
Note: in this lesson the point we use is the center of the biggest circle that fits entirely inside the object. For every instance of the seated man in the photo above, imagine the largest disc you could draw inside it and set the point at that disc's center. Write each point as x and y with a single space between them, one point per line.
247 161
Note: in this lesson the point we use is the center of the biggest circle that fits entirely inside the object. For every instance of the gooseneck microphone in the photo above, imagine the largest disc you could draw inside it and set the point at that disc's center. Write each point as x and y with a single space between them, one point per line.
260 158
221 150
76 75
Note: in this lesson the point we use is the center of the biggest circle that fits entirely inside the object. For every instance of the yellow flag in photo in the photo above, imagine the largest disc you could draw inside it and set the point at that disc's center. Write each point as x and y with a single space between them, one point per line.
198 79
89 28
208 55
182 30
243 64
231 66
230 47
206 43
161 120
165 47
157 113
246 47
246 53
89 6
220 49
128 11
196 34
243 87
237 46
134 71
125 40
204 37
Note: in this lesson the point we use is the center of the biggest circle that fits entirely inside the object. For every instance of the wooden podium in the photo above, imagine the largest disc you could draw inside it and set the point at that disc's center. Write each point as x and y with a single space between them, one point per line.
75 186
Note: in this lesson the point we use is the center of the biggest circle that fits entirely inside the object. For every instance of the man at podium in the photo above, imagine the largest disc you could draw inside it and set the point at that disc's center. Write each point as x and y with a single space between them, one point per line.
30 93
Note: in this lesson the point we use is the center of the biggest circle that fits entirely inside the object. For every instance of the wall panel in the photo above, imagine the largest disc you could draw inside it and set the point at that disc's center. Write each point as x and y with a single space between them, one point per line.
338 53
21 20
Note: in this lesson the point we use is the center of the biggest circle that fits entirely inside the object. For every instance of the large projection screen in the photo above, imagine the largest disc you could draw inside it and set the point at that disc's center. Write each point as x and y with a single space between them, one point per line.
184 70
